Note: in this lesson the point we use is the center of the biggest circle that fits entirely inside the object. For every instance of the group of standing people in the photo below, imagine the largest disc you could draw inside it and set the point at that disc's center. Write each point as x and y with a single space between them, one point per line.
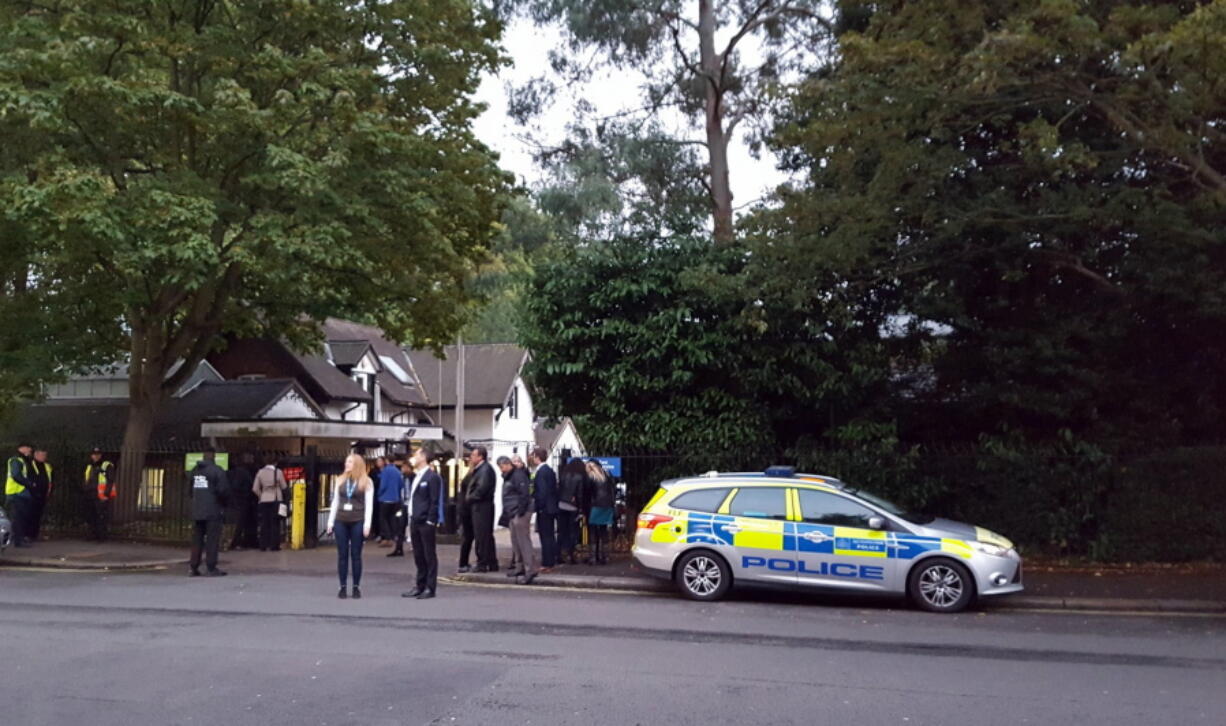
29 481
258 497
583 492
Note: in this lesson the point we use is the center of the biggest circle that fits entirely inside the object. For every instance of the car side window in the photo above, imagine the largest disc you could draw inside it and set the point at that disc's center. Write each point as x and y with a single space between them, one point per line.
825 508
760 502
703 500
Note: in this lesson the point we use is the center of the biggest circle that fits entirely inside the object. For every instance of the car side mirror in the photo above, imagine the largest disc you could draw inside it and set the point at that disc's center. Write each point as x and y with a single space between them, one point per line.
876 522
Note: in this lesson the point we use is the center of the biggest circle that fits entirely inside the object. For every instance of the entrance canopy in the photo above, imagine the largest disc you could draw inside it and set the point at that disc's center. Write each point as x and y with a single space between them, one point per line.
318 429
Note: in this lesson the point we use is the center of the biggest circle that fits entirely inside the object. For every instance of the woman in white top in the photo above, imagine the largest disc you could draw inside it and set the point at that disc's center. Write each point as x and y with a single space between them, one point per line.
352 507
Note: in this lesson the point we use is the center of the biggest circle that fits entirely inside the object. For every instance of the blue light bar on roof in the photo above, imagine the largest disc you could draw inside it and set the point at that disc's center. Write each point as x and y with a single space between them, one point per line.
787 472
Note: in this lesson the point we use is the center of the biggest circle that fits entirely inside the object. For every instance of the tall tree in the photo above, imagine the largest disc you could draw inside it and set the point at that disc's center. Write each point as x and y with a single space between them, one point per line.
715 62
1031 190
249 167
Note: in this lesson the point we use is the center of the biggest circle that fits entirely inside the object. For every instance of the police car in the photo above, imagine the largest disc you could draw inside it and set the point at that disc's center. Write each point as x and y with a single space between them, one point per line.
813 531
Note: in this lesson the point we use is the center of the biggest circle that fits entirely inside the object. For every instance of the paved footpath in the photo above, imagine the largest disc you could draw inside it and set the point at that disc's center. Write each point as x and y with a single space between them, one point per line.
1200 588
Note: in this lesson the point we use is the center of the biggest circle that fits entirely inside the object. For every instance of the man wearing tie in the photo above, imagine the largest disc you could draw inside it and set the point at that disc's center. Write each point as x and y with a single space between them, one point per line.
425 513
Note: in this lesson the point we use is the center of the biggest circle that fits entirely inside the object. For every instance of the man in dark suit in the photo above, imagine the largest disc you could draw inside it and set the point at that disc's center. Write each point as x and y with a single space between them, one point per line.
425 512
545 497
480 498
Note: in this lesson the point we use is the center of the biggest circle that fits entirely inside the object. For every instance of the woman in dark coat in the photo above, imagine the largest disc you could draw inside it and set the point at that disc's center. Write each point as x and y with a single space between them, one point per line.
571 483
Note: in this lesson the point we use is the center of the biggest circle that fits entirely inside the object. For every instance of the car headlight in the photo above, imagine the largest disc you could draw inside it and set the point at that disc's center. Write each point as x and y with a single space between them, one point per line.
991 549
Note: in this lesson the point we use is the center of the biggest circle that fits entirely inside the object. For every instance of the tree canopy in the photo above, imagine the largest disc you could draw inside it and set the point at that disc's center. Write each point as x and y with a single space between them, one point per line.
205 168
1007 225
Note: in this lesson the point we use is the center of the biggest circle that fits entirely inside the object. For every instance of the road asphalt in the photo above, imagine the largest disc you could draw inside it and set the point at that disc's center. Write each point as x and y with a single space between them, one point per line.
1200 588
134 648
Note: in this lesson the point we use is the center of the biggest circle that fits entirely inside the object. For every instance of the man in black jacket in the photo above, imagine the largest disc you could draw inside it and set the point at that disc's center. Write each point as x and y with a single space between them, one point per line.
480 498
425 495
517 510
545 499
207 489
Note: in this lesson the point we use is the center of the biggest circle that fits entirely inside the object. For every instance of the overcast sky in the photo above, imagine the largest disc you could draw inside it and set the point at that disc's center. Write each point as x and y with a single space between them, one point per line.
528 47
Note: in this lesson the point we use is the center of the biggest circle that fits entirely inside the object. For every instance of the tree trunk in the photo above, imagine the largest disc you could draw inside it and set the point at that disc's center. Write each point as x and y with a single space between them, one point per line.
145 398
717 139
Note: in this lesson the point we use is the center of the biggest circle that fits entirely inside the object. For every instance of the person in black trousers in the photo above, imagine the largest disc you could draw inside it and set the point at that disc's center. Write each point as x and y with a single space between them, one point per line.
207 489
464 518
243 501
269 488
40 475
425 496
481 503
545 495
570 489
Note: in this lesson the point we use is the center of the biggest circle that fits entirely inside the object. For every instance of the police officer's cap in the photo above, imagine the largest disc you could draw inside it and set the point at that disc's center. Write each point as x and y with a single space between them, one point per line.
96 450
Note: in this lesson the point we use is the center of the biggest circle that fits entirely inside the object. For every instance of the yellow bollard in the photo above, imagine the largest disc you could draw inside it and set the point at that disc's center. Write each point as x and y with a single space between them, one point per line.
298 526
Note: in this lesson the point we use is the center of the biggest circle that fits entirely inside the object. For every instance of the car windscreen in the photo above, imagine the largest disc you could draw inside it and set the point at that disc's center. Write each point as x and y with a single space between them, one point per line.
891 507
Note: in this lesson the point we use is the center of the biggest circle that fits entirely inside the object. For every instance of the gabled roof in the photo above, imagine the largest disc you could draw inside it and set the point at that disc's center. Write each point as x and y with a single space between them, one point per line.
242 399
101 423
392 359
546 436
347 352
490 371
333 384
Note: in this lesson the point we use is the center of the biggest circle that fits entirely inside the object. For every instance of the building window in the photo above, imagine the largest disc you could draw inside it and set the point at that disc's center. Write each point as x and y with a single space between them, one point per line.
149 497
513 403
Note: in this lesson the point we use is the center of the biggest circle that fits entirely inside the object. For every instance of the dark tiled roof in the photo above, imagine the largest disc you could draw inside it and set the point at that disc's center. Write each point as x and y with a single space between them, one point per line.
490 371
397 392
348 352
348 332
334 384
101 423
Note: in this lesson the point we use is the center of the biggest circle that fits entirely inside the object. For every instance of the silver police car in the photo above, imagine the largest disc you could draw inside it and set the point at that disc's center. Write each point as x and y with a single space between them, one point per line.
813 531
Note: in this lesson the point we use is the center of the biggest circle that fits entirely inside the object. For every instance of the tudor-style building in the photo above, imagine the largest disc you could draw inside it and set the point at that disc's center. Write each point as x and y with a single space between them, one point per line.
498 410
357 391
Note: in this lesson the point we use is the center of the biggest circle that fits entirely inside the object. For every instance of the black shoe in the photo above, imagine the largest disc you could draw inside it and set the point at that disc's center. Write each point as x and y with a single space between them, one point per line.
263 549
513 573
193 572
462 569
276 549
417 591
426 595
215 573
526 580
357 593
343 594
396 553
493 568
481 568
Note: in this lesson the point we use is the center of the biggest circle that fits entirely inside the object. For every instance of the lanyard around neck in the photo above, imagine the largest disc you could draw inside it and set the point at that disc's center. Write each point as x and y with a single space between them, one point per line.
350 486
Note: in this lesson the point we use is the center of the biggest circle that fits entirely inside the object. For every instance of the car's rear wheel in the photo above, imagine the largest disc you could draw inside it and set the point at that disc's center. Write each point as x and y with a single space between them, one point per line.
941 585
703 575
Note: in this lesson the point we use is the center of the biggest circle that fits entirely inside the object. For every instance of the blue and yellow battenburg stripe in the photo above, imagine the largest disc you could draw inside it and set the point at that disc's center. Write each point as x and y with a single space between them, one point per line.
794 536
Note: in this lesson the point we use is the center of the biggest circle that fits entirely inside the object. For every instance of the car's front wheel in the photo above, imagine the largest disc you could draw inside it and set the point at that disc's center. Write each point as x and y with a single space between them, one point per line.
941 586
703 575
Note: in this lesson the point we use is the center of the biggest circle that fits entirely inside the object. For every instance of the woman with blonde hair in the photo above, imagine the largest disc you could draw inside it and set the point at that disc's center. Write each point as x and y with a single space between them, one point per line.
601 512
352 508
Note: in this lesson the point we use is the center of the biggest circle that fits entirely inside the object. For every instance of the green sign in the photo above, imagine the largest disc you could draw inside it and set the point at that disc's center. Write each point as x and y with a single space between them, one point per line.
221 459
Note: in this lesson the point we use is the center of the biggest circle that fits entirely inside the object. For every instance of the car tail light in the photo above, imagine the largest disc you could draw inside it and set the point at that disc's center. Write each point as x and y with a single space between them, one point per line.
650 521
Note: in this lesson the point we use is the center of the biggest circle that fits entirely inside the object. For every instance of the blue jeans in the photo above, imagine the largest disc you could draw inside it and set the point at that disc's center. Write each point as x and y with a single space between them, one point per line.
349 548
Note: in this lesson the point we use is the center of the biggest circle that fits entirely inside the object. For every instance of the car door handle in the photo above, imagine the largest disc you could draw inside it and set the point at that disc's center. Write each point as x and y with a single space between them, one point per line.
733 528
816 536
